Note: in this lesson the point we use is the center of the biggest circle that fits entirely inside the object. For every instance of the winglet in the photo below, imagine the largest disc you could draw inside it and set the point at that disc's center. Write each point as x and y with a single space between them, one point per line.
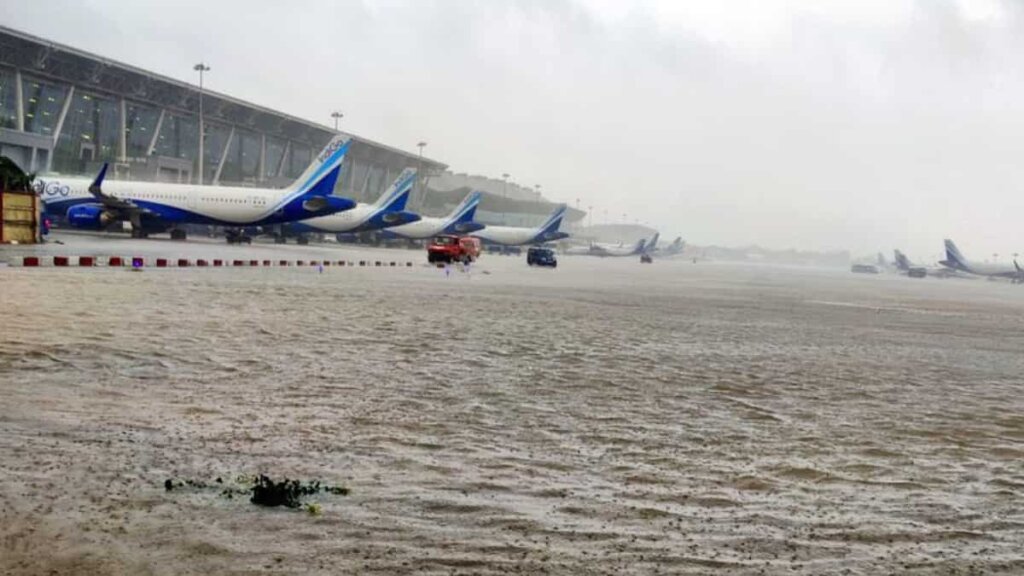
1017 266
96 188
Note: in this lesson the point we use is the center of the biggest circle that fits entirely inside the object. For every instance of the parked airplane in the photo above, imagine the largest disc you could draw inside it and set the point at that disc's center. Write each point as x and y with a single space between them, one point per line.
607 250
676 247
387 211
652 245
460 221
153 207
509 236
905 266
956 261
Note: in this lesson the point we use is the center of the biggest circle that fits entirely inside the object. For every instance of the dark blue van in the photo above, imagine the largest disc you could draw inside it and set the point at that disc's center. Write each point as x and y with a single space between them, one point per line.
538 256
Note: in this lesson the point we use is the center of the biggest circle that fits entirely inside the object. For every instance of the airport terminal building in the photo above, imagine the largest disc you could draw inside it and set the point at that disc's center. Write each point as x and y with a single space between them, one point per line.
67 111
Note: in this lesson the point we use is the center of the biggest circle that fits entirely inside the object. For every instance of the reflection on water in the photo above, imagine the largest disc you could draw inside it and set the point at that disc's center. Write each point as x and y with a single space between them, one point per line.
594 419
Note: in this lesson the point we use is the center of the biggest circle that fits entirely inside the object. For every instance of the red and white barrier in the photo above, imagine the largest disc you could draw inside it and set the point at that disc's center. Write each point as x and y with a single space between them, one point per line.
140 262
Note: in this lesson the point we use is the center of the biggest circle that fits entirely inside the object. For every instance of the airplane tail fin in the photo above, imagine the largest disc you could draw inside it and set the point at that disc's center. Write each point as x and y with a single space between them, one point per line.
466 210
902 262
640 247
394 199
324 169
461 219
653 244
953 256
549 229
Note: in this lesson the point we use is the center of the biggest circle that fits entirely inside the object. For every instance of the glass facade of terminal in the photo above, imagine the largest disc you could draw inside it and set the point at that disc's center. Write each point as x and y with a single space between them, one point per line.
90 133
89 126
43 103
140 126
300 158
243 158
275 151
8 100
179 138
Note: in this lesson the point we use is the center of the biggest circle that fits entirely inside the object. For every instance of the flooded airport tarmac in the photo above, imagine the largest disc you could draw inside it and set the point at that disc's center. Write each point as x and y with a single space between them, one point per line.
604 417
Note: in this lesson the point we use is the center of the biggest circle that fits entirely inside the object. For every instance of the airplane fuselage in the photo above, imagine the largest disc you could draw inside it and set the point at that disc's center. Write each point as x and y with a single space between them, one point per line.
177 203
508 236
362 218
426 228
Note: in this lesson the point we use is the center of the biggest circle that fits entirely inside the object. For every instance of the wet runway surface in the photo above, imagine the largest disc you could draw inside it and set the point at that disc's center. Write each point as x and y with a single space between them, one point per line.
604 417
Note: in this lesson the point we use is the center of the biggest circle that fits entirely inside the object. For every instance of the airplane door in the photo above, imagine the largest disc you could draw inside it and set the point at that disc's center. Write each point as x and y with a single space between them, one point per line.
192 199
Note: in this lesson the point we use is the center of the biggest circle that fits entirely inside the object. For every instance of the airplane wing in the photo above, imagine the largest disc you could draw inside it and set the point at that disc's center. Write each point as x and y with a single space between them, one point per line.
110 201
120 208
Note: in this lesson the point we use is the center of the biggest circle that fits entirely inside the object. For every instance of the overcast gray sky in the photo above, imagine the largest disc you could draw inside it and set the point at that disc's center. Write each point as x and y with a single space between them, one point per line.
860 124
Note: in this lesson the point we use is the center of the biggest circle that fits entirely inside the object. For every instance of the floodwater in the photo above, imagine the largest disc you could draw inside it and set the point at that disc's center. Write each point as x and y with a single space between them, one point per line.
604 417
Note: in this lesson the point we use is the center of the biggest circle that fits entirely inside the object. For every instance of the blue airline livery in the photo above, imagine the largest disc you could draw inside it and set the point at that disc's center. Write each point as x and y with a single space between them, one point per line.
156 206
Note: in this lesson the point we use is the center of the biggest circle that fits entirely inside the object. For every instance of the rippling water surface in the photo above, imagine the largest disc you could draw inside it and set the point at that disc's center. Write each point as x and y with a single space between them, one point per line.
604 417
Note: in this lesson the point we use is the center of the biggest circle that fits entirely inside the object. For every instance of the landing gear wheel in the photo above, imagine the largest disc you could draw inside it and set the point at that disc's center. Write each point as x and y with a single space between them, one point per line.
139 233
178 235
302 241
280 239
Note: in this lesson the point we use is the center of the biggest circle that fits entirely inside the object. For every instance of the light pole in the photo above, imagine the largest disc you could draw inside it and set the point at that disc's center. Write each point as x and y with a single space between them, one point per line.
202 133
504 198
337 116
419 171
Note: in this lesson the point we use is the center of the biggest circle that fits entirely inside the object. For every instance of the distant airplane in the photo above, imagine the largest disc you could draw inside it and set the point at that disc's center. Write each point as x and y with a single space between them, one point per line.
956 261
460 221
676 247
905 266
652 245
609 250
153 207
510 236
387 211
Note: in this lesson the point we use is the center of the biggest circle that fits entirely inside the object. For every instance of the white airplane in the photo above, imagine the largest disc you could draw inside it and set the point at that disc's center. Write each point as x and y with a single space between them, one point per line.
460 221
610 251
652 245
676 247
387 211
905 266
509 236
956 261
615 252
153 207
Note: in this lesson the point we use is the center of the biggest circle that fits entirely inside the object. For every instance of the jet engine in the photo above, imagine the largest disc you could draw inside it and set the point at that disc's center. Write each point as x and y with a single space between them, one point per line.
89 216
